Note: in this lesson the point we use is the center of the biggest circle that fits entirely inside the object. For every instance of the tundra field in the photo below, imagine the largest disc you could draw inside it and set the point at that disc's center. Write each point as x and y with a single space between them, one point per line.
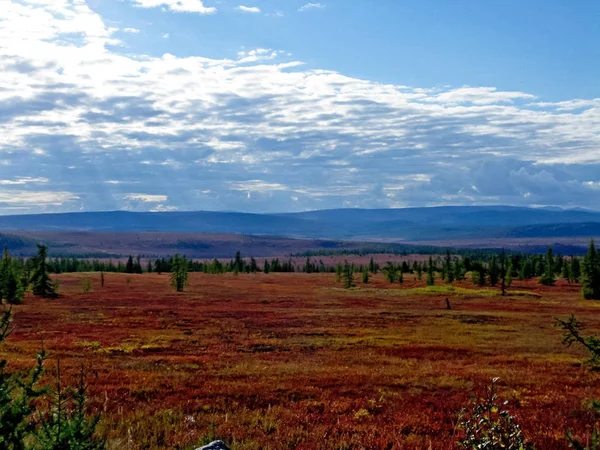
294 361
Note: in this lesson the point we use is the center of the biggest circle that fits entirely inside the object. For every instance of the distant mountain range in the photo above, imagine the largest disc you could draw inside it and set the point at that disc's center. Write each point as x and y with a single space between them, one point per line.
406 224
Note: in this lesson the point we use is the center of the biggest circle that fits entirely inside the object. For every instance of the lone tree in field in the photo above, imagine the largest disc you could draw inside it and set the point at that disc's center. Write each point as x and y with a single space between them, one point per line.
41 281
591 274
179 272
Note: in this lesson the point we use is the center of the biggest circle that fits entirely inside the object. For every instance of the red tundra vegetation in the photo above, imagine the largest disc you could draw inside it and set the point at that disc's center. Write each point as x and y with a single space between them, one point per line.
293 361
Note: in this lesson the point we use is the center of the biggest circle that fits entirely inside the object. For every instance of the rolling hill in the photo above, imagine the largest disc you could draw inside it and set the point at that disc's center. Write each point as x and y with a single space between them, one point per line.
406 224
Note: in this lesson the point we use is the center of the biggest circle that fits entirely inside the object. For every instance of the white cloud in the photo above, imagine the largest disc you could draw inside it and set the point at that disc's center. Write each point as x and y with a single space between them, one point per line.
147 198
248 9
262 123
163 208
258 186
194 6
35 198
24 180
309 6
165 35
131 30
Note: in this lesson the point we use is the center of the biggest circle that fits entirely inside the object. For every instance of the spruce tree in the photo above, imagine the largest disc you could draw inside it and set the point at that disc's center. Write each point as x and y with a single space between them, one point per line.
11 289
365 275
179 272
129 267
547 277
348 275
339 269
41 281
372 268
430 274
389 272
448 268
508 278
576 269
137 266
566 271
591 274
503 274
493 271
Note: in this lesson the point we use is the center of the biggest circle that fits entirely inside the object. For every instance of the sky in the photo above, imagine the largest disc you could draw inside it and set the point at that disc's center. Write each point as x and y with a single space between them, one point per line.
289 105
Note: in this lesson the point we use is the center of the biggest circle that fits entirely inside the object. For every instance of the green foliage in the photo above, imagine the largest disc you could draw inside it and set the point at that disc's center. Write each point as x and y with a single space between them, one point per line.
41 281
390 272
494 271
11 288
20 429
547 277
430 273
86 285
448 269
572 334
591 274
508 277
372 266
576 269
67 425
17 396
489 426
348 275
339 269
365 276
179 272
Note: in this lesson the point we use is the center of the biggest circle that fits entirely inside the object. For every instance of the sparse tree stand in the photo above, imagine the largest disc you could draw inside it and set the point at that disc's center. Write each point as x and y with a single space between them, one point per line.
40 280
179 272
591 274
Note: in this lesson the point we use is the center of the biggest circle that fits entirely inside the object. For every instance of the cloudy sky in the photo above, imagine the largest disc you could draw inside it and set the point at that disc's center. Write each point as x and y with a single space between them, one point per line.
288 105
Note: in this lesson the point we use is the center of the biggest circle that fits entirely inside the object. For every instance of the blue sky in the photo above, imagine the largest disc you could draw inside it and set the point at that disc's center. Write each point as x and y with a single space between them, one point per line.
286 105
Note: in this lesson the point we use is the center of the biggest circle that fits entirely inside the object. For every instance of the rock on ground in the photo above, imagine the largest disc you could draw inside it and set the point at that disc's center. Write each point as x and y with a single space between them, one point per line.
215 445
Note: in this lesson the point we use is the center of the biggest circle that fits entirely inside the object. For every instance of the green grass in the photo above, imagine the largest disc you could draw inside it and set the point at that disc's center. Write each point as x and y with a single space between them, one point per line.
448 290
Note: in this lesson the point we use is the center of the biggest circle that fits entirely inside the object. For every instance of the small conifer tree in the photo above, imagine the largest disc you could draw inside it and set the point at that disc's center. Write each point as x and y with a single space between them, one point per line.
348 275
591 274
41 281
547 277
179 272
430 274
365 276
576 269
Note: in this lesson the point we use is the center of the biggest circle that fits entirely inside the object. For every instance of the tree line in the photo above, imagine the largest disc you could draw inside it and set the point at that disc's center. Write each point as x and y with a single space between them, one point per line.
499 270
